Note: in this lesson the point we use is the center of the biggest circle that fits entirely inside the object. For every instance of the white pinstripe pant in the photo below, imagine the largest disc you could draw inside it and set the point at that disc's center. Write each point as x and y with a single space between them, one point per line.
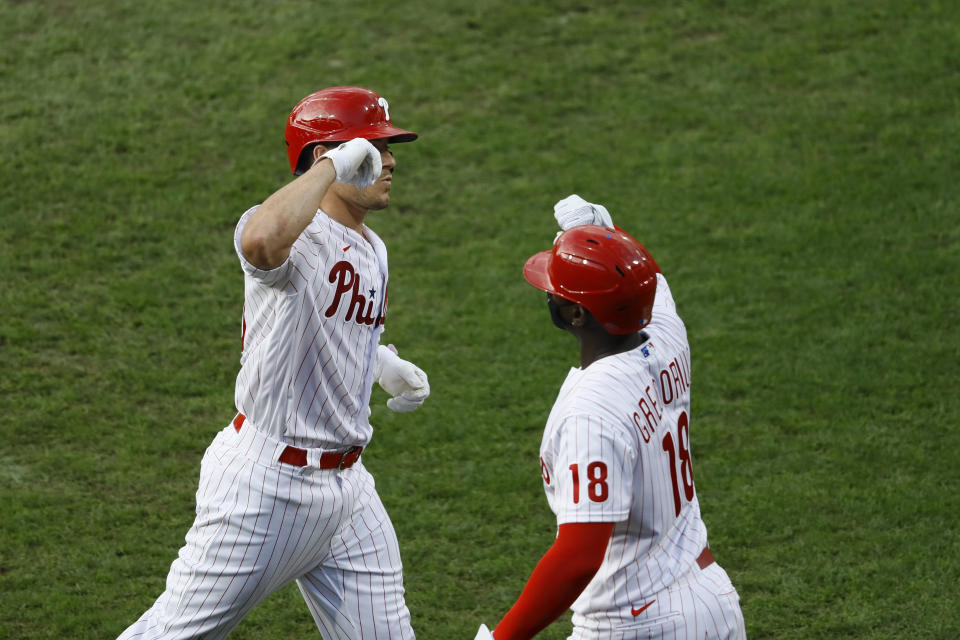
262 524
702 605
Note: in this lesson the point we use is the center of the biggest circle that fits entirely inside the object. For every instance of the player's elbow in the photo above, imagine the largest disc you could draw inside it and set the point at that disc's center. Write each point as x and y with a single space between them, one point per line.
259 250
580 573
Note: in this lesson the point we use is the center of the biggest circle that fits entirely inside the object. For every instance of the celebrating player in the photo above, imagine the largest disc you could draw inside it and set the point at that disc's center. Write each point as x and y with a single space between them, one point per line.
631 556
283 491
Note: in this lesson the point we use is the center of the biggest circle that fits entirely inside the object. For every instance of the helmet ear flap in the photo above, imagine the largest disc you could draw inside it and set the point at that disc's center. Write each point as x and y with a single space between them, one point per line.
305 161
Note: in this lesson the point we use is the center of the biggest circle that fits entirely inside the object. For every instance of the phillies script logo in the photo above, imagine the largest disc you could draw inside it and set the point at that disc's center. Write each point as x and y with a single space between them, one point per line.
348 282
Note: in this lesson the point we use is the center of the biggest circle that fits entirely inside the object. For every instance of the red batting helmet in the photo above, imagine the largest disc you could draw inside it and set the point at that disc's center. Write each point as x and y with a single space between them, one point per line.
338 114
604 270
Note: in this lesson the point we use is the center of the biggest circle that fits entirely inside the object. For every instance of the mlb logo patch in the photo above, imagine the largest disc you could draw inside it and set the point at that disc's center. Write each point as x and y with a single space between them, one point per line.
645 350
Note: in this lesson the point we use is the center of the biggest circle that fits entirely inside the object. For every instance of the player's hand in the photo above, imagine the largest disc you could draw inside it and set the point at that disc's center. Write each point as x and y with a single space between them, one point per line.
356 162
483 633
403 380
574 211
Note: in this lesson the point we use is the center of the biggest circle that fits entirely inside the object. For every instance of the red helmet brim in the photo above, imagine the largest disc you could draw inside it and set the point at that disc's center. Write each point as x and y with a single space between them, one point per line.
383 131
535 271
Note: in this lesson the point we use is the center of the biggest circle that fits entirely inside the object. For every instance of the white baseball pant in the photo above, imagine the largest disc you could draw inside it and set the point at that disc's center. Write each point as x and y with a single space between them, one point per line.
702 605
262 524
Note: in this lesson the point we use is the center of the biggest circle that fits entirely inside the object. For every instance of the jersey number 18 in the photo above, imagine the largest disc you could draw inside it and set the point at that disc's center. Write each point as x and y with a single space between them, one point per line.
680 474
681 450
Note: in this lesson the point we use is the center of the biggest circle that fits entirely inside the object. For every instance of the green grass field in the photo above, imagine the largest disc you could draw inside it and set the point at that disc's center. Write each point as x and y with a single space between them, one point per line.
793 167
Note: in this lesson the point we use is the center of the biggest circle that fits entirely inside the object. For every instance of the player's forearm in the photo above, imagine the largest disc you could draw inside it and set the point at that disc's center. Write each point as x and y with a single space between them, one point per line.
547 595
558 580
276 224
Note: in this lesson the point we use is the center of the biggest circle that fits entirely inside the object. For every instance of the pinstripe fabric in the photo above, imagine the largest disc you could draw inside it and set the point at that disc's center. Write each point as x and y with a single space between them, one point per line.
702 605
615 449
312 327
260 525
359 586
310 332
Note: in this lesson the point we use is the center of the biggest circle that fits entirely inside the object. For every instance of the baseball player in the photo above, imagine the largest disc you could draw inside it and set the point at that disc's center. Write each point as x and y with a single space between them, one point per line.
283 493
631 556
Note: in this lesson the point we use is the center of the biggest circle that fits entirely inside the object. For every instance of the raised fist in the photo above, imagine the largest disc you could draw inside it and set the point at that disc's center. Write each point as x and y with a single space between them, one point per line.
574 211
356 162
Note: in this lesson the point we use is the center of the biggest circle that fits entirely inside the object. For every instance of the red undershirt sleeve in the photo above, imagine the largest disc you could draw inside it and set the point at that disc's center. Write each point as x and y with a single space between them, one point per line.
558 579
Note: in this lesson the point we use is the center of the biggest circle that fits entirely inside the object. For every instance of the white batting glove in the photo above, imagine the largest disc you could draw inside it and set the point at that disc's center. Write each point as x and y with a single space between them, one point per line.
403 380
483 633
356 162
574 211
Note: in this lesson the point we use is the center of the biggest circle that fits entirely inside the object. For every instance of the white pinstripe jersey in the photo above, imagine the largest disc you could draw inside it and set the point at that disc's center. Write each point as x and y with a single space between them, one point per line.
310 333
616 449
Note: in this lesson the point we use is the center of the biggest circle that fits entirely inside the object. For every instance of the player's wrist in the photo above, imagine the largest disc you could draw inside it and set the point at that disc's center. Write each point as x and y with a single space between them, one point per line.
385 354
323 165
